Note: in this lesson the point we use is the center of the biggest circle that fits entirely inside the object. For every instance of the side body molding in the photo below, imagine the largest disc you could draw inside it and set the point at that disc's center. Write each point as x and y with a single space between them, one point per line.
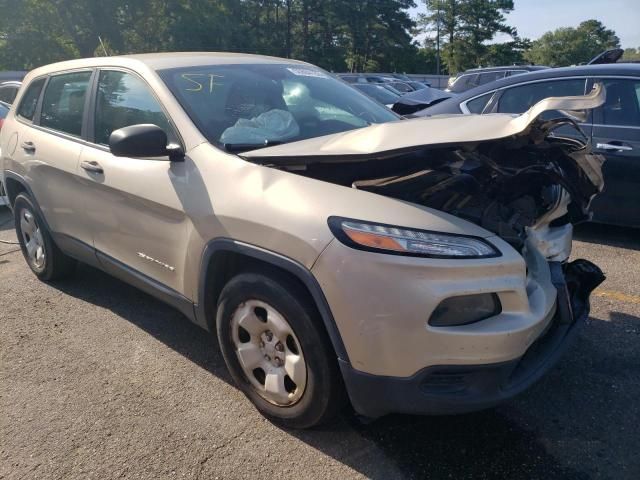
285 263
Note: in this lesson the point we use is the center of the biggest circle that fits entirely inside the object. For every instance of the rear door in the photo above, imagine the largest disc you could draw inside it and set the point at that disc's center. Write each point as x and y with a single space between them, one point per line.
616 135
137 219
50 129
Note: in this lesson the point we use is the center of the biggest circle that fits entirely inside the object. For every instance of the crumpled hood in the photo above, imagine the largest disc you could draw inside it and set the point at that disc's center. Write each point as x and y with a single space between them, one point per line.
389 139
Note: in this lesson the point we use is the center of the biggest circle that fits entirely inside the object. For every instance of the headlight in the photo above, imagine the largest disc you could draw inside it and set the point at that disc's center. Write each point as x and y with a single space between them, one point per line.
403 241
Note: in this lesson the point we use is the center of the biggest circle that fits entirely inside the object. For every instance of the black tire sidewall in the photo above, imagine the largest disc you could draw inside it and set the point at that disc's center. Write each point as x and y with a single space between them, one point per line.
317 402
56 263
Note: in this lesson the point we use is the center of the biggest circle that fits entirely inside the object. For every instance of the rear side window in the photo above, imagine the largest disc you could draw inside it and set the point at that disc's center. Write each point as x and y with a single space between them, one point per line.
464 82
29 101
519 99
490 77
477 104
123 100
622 106
63 102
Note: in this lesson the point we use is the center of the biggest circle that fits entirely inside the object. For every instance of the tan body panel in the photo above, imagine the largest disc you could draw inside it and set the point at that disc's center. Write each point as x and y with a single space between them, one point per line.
284 212
382 303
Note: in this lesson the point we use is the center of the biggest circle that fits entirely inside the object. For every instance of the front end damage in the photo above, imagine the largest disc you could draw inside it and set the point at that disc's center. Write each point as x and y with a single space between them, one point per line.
523 178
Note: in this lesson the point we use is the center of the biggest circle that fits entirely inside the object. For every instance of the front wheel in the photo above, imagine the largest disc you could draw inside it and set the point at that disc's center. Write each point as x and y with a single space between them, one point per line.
277 351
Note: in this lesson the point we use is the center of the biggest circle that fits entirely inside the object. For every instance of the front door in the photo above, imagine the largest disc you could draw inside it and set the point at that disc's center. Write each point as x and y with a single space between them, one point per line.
138 222
616 135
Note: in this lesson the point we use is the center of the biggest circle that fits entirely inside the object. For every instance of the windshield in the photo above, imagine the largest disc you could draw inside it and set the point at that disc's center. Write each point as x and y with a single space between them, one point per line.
379 93
264 104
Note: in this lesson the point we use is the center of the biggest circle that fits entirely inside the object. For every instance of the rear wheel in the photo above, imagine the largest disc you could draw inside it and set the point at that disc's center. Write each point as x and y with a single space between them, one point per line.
42 255
276 351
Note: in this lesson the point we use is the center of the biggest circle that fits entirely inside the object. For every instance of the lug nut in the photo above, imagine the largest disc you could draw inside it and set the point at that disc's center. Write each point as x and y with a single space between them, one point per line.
278 362
269 335
280 347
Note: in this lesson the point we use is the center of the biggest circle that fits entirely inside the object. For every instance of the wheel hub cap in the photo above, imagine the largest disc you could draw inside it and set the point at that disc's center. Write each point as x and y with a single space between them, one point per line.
33 241
269 353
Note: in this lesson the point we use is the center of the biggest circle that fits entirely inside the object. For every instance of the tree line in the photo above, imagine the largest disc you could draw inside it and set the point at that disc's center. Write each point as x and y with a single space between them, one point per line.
339 35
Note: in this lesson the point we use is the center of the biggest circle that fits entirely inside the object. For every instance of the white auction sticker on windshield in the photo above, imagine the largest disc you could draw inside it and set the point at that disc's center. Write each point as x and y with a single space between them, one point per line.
307 72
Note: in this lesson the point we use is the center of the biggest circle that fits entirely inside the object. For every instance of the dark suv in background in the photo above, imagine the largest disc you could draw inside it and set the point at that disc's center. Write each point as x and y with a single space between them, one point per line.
480 76
613 129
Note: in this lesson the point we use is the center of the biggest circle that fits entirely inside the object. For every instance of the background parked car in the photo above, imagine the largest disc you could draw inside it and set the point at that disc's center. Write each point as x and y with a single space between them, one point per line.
364 78
4 109
614 128
402 87
419 100
8 91
9 85
10 82
379 93
418 85
480 76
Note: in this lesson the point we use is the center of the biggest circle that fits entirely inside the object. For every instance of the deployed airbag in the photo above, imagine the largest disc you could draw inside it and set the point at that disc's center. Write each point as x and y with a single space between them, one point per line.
272 126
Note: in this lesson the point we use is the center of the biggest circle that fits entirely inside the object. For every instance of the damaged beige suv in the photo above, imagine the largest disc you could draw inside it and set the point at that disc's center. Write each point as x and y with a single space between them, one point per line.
337 250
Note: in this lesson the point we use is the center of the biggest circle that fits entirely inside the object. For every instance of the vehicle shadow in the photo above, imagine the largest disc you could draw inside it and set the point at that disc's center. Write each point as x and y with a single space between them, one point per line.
154 317
513 441
613 236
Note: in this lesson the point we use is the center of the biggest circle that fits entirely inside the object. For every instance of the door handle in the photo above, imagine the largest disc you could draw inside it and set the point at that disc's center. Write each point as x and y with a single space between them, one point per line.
28 147
612 147
93 167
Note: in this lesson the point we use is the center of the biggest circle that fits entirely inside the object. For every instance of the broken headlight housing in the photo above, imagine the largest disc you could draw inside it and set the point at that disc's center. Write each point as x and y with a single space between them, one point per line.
382 238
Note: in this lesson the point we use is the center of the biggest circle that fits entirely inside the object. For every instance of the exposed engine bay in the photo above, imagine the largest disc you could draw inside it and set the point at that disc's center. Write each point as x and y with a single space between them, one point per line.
515 187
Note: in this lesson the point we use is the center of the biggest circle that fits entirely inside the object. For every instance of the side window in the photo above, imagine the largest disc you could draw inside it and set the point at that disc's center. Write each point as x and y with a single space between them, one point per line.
519 99
29 101
477 104
464 82
622 106
123 100
490 77
63 102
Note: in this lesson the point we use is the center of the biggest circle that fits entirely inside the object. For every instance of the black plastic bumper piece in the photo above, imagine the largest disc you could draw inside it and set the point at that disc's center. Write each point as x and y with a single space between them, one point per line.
450 389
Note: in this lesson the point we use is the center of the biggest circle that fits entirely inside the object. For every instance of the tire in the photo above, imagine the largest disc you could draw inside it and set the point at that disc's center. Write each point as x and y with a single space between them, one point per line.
260 302
43 256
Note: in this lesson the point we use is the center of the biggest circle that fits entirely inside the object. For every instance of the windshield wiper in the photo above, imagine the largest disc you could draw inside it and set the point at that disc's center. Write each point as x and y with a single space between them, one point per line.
245 147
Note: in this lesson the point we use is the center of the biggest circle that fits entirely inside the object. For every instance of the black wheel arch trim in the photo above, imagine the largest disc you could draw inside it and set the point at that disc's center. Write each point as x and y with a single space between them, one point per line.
22 181
302 273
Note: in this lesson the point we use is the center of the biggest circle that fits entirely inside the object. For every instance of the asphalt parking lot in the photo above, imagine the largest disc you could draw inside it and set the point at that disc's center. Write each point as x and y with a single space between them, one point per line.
98 380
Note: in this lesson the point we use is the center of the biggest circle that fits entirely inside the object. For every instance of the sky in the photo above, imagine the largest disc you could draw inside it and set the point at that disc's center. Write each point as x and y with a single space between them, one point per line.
532 18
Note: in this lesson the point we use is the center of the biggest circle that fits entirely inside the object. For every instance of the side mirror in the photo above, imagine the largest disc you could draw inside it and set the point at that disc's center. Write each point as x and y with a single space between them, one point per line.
142 141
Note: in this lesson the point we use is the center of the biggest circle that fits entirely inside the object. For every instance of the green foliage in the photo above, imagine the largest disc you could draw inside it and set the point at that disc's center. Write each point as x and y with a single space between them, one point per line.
572 46
465 28
631 54
339 35
336 34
